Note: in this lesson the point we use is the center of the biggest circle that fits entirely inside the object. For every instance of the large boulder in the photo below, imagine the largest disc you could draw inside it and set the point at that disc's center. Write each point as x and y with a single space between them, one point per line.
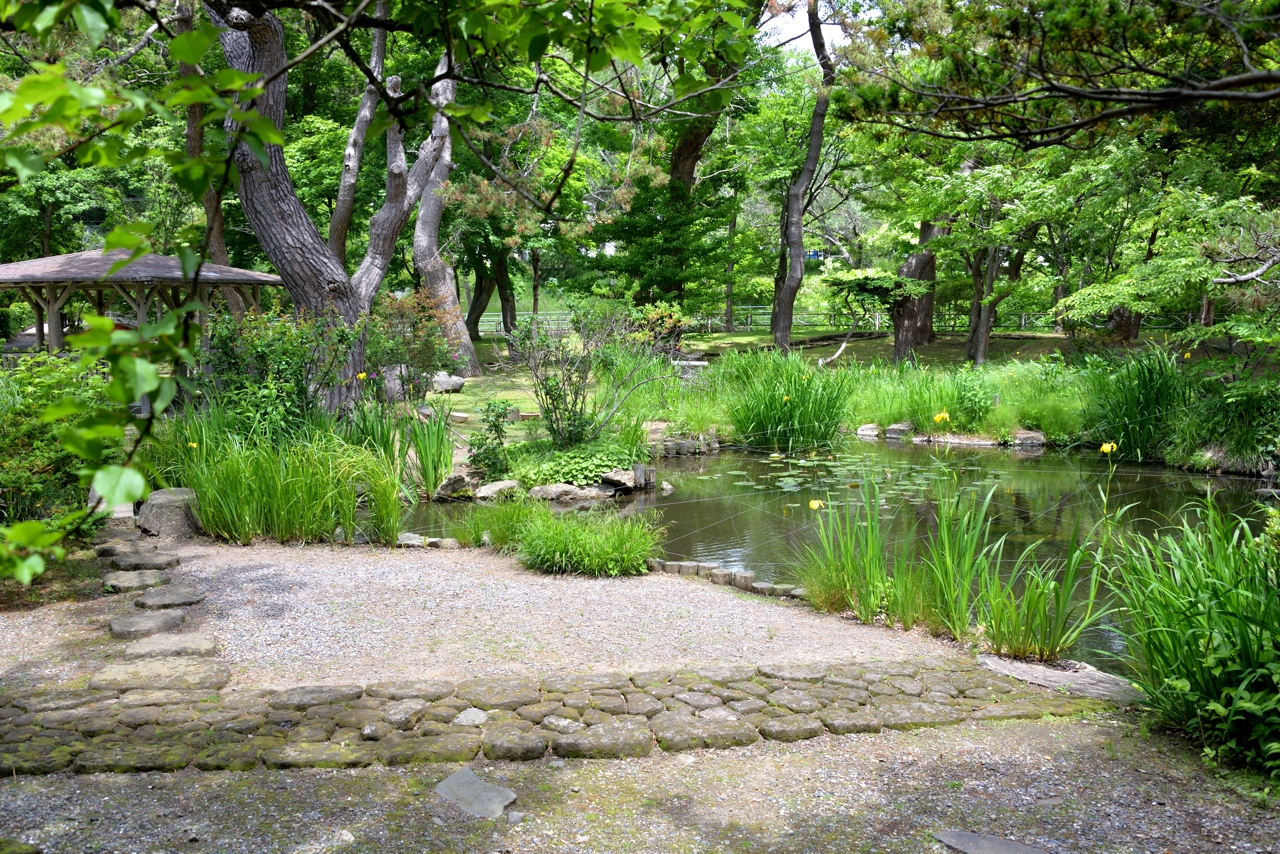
456 487
167 513
557 492
443 382
497 489
624 478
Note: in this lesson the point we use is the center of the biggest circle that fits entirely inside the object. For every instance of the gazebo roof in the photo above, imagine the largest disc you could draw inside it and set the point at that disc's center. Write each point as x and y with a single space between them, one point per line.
92 267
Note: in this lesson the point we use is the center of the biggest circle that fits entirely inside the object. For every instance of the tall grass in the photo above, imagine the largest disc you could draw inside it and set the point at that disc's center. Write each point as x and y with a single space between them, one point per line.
432 446
957 555
783 402
1201 611
848 569
1037 610
592 543
1132 402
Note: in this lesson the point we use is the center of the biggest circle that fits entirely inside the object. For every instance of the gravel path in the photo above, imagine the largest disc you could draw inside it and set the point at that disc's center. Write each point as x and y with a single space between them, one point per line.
1100 786
287 616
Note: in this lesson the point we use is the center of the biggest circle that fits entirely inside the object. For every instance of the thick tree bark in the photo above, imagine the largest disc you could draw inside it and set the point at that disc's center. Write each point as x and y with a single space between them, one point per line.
344 206
687 152
313 274
485 286
506 291
1059 294
728 269
1206 310
535 266
436 274
784 294
913 315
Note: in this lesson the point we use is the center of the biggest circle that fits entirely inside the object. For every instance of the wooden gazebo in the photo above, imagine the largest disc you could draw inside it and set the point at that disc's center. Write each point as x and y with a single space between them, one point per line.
47 284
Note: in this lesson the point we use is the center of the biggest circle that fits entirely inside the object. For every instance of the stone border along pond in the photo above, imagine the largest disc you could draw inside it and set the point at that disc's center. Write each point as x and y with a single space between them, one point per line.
594 716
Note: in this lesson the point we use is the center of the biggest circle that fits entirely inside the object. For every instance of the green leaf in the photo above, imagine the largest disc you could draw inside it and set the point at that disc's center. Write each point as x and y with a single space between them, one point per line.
24 163
538 45
91 22
61 409
119 485
190 47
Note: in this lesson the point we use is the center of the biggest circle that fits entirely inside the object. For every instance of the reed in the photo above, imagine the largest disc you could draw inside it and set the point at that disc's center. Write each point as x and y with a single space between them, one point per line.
783 402
956 556
1201 614
848 568
596 544
431 441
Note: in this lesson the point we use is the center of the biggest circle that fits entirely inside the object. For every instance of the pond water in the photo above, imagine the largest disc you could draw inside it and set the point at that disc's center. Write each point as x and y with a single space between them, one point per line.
752 512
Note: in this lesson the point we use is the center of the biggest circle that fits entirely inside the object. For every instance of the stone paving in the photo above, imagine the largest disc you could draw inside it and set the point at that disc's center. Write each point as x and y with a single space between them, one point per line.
114 727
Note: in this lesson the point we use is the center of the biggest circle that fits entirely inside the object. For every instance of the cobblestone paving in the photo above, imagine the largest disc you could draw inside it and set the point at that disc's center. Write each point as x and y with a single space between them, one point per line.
600 716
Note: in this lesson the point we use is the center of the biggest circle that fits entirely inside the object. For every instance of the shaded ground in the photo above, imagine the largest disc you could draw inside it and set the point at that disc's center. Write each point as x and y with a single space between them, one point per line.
1097 785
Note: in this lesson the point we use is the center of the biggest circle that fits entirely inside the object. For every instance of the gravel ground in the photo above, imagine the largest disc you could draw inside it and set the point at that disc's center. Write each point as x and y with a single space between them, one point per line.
1069 787
288 616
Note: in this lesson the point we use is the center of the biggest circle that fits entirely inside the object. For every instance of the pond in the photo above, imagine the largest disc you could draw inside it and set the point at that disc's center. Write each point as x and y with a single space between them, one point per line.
752 512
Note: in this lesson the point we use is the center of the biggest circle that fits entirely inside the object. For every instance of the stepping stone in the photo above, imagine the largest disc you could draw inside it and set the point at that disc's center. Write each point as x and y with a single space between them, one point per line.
453 747
135 626
113 549
127 582
57 701
429 690
513 745
144 697
491 694
185 673
980 843
174 596
573 683
677 732
117 535
473 795
166 645
791 728
135 562
794 672
613 740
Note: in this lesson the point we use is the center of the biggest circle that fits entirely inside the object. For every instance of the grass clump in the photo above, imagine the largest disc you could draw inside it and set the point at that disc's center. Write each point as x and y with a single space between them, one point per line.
783 402
597 544
1201 608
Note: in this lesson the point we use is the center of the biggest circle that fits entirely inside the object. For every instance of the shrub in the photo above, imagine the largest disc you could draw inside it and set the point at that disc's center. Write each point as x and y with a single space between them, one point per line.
38 477
488 452
1202 620
595 543
782 402
405 345
6 324
580 466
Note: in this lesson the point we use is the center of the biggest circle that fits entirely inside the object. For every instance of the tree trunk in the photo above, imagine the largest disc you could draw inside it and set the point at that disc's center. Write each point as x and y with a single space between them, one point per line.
728 269
535 265
436 274
313 274
1059 294
784 296
913 315
46 237
506 292
687 152
485 286
1206 311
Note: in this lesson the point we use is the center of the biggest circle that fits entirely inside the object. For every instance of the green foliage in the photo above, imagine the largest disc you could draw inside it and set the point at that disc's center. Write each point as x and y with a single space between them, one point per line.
594 543
580 466
39 477
7 329
488 454
1202 620
502 521
1037 610
849 568
1134 401
957 555
782 402
269 370
405 347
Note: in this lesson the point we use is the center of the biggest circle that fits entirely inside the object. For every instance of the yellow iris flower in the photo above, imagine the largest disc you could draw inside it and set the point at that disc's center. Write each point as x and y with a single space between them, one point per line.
817 504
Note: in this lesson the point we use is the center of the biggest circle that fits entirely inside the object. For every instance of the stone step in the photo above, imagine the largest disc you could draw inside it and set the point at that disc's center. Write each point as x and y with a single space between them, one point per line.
178 673
135 562
127 582
117 535
173 596
140 625
124 548
170 644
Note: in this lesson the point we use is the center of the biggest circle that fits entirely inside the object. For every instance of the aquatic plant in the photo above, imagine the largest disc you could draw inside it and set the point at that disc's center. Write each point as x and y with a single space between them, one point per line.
783 402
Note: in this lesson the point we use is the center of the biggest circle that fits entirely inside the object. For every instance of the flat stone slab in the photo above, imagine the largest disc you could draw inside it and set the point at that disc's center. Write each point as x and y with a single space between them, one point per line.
613 740
451 747
117 535
173 596
980 843
146 697
124 547
314 695
128 582
791 728
572 683
134 758
794 672
677 732
429 690
168 644
1085 681
56 701
318 754
141 625
135 562
473 795
163 674
508 694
